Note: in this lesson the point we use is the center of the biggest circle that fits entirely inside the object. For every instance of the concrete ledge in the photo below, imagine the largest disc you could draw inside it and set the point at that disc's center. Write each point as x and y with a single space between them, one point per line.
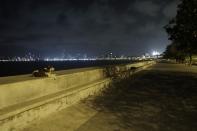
18 117
31 88
16 90
66 90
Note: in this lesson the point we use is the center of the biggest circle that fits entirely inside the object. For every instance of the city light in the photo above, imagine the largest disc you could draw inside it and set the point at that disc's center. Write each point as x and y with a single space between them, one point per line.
108 56
71 59
155 53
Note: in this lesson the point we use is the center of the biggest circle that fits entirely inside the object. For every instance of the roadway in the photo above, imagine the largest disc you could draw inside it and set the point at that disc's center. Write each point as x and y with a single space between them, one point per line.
161 98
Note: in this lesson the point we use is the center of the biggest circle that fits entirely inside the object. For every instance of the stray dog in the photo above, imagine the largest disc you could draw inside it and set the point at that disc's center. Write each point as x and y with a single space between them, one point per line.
46 72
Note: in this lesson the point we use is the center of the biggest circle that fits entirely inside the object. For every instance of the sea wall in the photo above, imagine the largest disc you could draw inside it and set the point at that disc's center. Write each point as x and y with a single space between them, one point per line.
25 90
25 98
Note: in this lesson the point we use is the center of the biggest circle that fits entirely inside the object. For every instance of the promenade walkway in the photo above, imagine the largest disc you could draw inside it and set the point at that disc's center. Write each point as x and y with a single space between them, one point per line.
161 98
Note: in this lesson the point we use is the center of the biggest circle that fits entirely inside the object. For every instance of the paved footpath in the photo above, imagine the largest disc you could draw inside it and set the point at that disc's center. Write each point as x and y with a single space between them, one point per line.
161 98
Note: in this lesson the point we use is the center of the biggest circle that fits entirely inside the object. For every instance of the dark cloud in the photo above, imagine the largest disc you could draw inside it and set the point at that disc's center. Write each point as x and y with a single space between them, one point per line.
170 9
147 7
88 26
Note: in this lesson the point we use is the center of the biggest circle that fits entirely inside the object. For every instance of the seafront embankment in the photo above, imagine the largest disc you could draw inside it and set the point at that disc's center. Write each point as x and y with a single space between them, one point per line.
24 98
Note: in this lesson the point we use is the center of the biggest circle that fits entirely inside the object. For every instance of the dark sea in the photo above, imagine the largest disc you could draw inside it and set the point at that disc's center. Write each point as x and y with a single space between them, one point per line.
19 68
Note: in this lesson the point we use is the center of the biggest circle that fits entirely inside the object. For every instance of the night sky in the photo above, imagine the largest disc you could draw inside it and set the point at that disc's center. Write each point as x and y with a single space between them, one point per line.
94 27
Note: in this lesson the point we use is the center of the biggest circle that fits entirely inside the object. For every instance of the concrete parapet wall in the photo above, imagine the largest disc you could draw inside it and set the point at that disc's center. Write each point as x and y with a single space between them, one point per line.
25 98
21 91
35 111
31 88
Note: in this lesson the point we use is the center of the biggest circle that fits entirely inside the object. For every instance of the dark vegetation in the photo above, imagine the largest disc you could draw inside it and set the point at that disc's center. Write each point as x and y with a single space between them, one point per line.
119 72
182 31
